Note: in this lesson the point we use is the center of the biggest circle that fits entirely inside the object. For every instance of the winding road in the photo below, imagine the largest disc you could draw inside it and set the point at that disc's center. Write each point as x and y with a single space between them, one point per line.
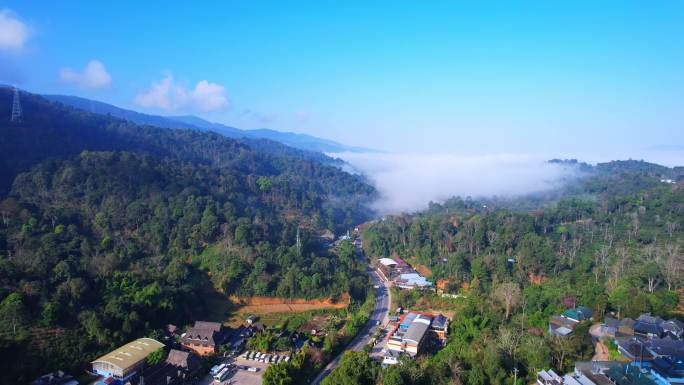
380 316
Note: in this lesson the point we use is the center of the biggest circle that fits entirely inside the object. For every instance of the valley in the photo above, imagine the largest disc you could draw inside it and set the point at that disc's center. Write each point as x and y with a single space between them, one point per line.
236 256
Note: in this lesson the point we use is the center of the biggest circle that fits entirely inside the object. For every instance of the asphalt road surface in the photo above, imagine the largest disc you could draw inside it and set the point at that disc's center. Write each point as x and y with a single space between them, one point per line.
380 316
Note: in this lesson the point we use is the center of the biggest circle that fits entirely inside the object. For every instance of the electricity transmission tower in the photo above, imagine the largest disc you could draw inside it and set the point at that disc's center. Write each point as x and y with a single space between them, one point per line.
16 108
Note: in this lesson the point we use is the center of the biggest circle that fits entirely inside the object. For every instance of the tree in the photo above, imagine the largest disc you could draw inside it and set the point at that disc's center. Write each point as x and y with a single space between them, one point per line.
261 341
562 348
508 341
264 183
93 326
508 294
535 352
672 266
156 356
651 273
209 224
356 368
12 311
278 374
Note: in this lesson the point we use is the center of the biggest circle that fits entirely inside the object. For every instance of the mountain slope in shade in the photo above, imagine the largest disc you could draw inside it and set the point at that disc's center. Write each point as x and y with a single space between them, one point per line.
300 141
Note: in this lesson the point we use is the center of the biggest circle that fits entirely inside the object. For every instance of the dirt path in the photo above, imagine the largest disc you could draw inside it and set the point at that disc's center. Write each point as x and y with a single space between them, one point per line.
600 352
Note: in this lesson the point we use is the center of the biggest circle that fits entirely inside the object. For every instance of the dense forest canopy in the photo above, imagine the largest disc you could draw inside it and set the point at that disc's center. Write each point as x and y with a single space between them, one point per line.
110 230
613 243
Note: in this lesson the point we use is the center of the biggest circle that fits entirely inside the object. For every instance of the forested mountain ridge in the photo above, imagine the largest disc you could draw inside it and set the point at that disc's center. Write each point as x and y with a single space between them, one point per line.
52 129
110 230
303 142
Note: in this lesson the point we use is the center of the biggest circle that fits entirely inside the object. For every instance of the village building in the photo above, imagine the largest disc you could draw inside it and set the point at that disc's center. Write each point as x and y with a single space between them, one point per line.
549 377
600 373
565 324
665 347
414 328
634 350
204 337
391 357
412 281
561 326
649 326
610 326
55 378
627 374
440 327
668 370
625 328
125 362
674 328
401 274
179 368
409 335
578 314
387 267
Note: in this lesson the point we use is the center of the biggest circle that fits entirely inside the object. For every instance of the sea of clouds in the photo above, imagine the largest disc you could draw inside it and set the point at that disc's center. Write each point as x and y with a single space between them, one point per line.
408 182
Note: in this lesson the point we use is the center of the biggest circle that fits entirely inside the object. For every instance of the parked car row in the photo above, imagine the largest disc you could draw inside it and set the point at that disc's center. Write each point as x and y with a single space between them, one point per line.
264 357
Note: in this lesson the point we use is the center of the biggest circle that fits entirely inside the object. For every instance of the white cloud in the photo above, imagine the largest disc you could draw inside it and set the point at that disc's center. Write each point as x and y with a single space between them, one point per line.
94 75
13 32
408 182
169 96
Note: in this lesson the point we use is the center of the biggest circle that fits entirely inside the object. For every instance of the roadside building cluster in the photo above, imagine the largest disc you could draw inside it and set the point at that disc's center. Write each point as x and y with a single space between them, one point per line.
412 333
401 274
130 365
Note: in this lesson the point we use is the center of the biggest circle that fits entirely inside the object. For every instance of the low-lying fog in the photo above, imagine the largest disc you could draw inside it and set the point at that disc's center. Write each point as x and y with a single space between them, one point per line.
408 182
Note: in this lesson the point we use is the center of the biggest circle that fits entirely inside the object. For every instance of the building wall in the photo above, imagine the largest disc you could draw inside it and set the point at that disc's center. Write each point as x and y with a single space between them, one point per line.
412 348
440 334
107 369
395 345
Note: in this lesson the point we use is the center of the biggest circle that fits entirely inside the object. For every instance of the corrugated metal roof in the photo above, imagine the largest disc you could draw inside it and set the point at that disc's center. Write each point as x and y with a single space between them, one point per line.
416 332
388 262
440 321
131 353
414 279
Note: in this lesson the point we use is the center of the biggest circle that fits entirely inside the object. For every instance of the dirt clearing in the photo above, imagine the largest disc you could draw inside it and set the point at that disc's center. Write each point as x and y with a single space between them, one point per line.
273 309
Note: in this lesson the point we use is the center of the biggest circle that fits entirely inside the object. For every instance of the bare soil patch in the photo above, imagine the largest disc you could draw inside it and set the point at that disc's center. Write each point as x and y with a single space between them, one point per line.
423 270
272 310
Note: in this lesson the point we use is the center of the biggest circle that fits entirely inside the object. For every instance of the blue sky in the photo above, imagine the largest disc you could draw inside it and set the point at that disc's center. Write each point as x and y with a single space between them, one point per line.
591 79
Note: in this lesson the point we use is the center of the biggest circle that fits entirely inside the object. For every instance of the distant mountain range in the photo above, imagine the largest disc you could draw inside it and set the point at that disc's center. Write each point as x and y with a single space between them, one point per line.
300 141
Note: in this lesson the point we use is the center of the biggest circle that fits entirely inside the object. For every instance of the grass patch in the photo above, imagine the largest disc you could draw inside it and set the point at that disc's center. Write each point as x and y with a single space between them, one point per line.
613 350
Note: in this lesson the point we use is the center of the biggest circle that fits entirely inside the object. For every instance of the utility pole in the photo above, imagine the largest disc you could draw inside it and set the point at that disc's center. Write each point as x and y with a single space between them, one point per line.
515 375
16 107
